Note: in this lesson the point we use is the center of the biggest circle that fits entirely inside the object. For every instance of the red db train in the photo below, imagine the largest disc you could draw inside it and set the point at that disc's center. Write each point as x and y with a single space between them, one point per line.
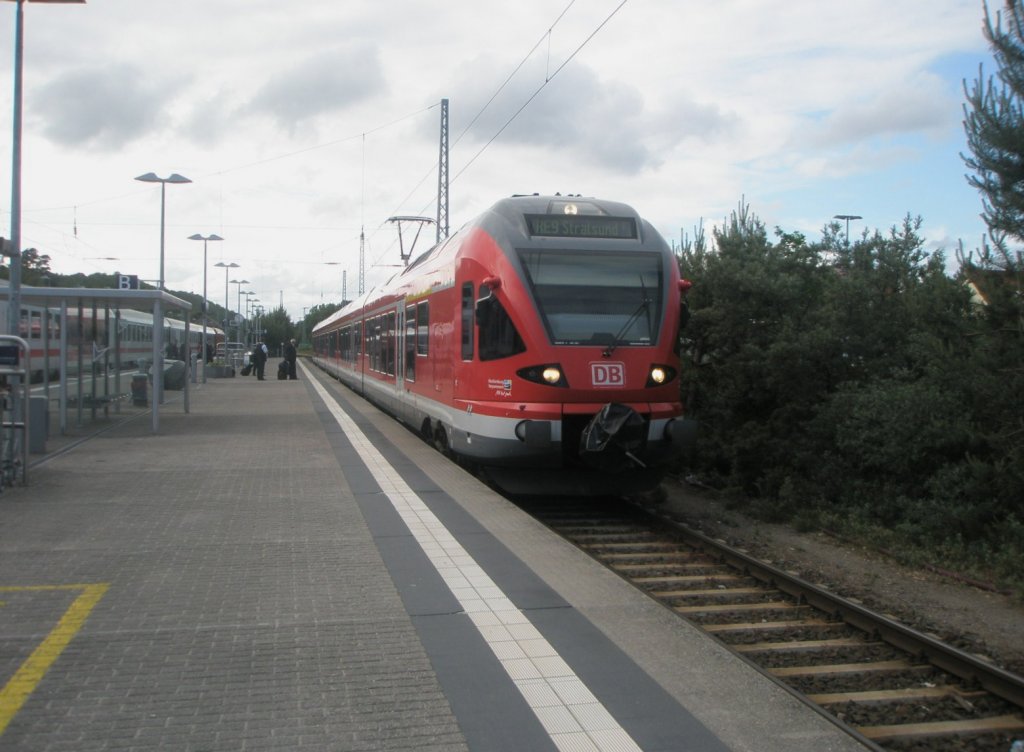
539 343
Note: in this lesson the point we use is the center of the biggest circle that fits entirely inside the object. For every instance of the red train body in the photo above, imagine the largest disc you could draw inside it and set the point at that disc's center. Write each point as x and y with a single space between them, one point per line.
540 342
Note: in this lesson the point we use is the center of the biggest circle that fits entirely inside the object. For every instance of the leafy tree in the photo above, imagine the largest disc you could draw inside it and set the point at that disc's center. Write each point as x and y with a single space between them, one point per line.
755 348
35 268
848 386
314 316
277 329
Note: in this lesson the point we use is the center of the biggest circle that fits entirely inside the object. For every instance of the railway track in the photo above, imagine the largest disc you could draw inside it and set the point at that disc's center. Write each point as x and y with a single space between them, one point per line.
896 688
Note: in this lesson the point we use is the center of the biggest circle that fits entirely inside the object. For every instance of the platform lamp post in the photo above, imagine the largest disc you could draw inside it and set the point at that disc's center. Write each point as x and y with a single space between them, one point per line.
229 265
249 295
238 306
12 246
847 217
259 322
242 324
205 239
174 177
14 249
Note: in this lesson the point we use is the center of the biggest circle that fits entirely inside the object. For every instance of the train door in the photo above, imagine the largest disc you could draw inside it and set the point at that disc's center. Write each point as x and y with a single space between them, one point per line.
467 339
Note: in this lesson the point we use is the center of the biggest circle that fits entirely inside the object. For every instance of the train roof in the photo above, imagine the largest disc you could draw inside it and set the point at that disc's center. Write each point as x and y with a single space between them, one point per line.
536 218
536 203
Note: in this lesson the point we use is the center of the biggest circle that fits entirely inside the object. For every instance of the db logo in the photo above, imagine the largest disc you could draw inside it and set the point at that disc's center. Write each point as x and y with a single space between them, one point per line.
608 374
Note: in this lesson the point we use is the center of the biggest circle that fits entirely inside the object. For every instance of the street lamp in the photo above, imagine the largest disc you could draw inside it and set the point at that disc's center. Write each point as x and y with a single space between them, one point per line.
259 323
14 319
847 217
174 177
231 265
205 238
238 306
245 315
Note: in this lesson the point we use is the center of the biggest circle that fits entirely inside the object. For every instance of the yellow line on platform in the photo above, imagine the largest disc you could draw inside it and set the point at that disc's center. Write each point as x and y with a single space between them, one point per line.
31 672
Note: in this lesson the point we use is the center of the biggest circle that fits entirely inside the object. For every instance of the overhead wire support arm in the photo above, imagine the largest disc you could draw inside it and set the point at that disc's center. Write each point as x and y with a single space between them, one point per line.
421 221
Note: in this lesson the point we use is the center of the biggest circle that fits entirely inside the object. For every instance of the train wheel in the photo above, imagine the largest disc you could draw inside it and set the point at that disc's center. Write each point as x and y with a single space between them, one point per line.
441 440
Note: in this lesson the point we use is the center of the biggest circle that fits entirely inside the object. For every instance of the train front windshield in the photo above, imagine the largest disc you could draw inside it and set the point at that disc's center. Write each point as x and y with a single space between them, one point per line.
597 298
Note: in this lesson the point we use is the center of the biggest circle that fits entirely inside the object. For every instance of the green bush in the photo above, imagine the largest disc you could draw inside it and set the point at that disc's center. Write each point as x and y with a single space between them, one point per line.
857 388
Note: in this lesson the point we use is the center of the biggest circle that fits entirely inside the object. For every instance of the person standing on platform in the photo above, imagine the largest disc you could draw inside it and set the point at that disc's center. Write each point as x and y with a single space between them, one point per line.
259 358
290 356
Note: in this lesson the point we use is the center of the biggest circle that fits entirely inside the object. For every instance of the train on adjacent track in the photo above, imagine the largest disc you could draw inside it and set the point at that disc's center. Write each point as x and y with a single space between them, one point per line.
540 343
122 338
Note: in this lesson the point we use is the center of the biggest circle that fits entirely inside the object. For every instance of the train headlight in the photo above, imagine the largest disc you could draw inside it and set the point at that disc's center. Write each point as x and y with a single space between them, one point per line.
660 374
549 374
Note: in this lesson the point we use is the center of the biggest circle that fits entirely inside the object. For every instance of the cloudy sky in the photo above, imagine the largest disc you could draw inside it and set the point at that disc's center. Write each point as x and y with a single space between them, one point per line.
303 123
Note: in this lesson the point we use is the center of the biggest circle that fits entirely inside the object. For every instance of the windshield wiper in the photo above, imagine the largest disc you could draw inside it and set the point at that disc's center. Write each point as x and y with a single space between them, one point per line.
644 307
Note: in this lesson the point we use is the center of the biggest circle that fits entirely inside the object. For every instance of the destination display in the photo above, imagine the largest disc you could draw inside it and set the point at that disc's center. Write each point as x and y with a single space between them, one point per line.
581 226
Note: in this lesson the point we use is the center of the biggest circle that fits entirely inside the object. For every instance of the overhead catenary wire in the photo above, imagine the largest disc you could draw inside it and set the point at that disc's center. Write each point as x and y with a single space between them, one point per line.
487 104
548 79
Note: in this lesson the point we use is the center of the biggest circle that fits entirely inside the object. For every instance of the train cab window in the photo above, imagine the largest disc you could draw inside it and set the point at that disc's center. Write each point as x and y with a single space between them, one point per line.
611 299
498 335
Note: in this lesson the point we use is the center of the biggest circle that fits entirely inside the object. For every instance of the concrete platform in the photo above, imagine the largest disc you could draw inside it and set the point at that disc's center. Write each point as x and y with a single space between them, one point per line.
286 568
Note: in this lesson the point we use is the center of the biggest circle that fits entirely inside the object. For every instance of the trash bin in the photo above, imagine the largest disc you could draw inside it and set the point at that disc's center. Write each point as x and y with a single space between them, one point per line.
38 424
139 388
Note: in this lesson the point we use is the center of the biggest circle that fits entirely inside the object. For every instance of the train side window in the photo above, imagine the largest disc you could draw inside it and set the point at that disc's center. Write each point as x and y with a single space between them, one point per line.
410 343
468 303
423 328
373 342
498 335
389 344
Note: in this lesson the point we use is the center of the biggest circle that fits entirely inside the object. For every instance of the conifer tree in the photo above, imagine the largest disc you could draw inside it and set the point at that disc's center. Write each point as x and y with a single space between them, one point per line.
994 123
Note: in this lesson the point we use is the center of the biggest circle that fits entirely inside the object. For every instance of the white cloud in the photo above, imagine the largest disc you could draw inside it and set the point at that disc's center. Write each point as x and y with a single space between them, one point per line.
920 105
100 107
300 123
321 83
